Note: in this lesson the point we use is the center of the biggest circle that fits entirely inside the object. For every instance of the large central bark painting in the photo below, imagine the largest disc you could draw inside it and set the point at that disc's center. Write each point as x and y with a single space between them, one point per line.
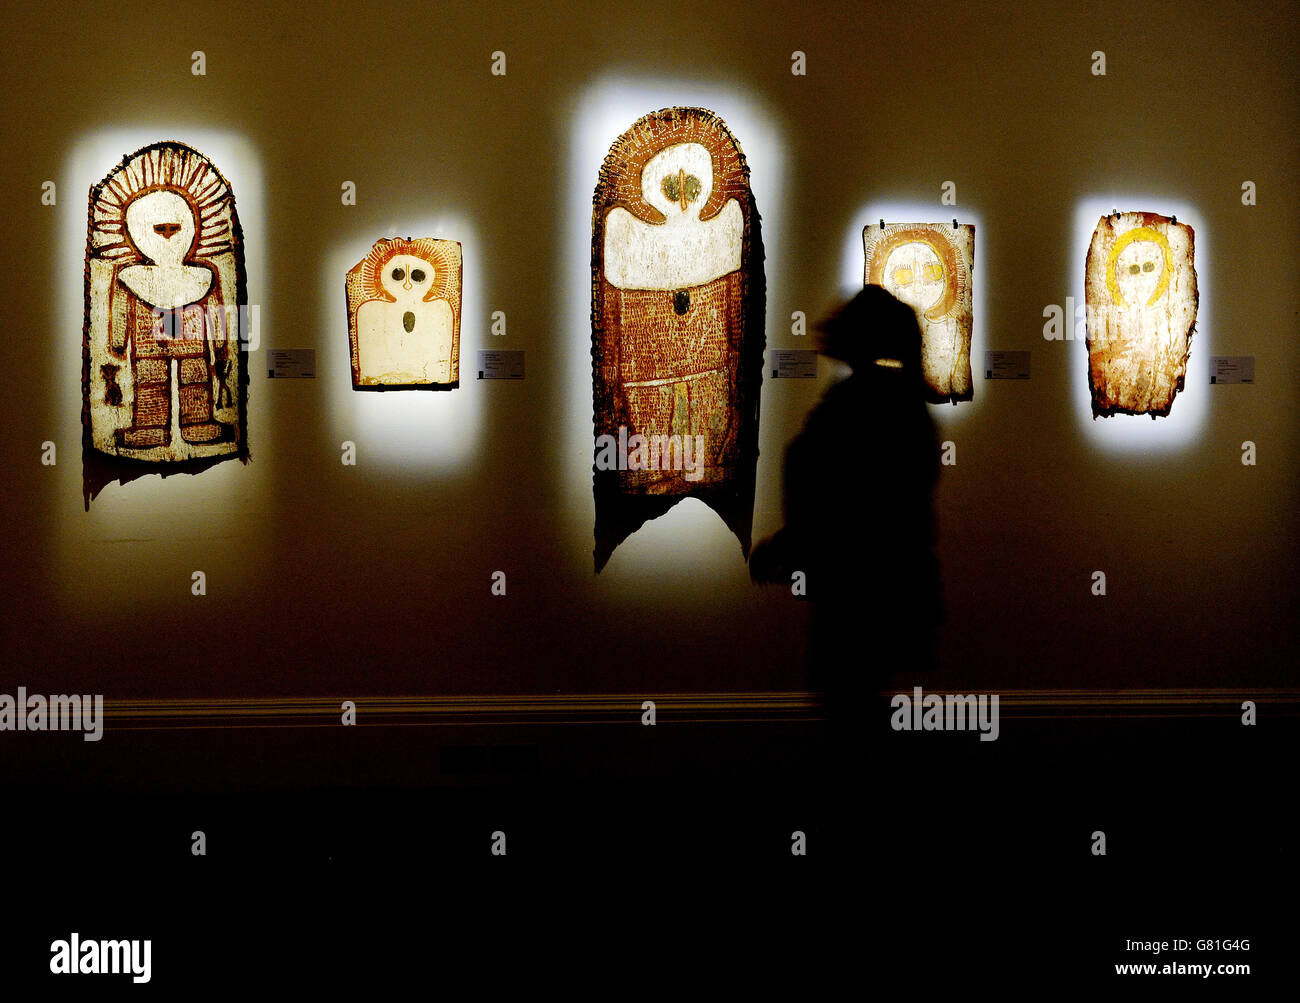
677 326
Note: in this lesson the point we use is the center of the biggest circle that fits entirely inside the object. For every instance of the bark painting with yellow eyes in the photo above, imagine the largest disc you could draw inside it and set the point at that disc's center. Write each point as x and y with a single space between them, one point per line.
928 266
1142 300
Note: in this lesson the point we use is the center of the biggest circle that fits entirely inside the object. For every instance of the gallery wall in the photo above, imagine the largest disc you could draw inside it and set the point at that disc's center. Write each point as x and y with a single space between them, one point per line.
333 580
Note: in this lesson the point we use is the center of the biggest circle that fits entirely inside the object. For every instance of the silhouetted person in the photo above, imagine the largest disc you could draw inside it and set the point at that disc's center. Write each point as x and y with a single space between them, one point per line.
857 495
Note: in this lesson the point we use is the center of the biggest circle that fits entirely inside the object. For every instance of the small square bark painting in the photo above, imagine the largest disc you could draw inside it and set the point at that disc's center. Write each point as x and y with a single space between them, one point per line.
928 266
404 315
677 326
164 378
1142 301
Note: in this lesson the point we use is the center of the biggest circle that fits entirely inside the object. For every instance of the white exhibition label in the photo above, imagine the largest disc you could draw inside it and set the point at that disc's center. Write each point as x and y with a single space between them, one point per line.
291 364
1232 369
501 365
794 364
1006 365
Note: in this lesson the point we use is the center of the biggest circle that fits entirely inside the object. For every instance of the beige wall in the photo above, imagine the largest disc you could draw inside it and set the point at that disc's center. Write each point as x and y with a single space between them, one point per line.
325 579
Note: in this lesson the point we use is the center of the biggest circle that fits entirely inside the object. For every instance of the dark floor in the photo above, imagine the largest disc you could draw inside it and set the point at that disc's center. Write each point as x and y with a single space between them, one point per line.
929 856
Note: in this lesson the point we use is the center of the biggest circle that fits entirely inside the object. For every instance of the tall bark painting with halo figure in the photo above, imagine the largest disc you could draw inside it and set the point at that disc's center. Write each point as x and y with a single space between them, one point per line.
678 301
164 377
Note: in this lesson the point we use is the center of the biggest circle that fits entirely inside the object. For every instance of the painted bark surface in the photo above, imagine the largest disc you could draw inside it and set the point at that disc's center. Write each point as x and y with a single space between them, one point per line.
677 326
929 266
164 378
1142 300
404 315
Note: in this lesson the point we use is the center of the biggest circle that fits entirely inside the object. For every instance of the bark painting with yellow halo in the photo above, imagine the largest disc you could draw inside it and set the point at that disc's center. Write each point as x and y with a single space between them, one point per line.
928 266
1142 300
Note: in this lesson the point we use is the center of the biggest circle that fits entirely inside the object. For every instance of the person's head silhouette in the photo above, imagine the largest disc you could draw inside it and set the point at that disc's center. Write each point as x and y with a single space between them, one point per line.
877 335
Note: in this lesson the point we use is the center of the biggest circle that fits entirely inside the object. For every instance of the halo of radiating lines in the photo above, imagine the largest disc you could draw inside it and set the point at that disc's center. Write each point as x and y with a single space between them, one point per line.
170 166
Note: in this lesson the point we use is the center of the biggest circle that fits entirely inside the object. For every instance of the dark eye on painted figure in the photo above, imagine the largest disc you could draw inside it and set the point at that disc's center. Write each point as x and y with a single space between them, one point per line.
1134 269
417 275
1150 266
398 275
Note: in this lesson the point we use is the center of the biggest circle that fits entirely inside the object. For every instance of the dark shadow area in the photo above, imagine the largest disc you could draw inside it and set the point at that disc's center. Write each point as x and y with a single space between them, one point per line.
980 855
99 470
859 530
381 388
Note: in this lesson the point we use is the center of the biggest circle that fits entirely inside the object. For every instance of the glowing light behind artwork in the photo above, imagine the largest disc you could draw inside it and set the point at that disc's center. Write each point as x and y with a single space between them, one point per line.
414 434
156 530
690 541
945 415
1126 433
